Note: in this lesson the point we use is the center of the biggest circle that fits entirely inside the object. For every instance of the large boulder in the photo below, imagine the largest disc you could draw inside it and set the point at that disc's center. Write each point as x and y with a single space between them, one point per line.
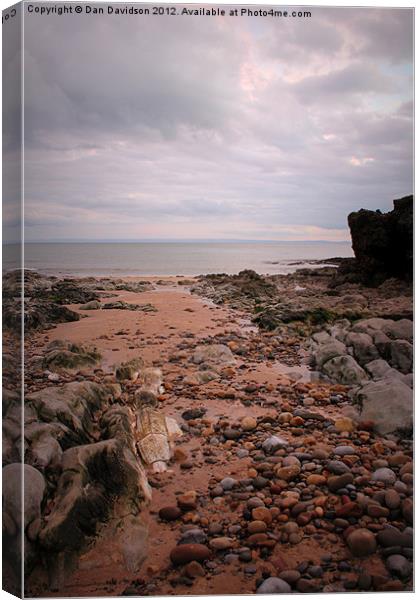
328 350
363 347
345 370
15 529
388 403
402 355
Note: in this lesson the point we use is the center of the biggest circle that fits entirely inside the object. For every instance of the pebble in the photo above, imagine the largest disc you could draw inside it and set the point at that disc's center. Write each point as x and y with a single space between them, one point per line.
194 570
248 423
261 513
392 499
187 501
257 527
170 513
337 482
186 553
337 467
221 543
290 575
193 536
398 565
228 483
273 443
361 542
384 475
274 585
345 451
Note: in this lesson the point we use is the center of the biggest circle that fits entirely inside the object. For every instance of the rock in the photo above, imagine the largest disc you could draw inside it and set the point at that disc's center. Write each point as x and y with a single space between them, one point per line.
337 467
73 408
273 443
327 351
392 499
15 524
363 348
389 537
407 510
193 413
86 494
361 542
257 527
402 355
221 543
384 475
317 480
194 570
193 536
274 585
170 513
383 243
92 305
248 423
217 354
344 424
345 370
66 356
130 370
340 481
228 483
377 511
261 513
187 501
378 369
345 451
186 553
398 565
388 403
288 473
291 576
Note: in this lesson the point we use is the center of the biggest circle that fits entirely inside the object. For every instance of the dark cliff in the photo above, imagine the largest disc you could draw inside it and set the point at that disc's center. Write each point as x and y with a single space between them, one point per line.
382 244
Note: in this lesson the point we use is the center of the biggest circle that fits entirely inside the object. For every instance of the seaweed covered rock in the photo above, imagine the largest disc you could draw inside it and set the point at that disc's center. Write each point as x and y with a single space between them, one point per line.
73 408
66 356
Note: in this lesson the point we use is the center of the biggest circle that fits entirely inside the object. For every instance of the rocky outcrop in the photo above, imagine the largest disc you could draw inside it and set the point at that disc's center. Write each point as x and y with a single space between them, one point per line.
375 357
382 244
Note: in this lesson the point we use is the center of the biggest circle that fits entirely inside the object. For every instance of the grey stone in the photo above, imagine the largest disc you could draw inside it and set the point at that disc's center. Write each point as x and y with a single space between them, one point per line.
273 443
364 349
402 356
327 351
274 585
384 475
345 370
388 403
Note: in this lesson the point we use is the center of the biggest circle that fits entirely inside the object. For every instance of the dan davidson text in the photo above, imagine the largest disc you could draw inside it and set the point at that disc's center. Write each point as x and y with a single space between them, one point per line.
123 10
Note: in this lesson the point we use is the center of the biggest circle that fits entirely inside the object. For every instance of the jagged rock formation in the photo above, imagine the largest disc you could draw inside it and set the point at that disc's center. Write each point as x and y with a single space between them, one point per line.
382 244
83 464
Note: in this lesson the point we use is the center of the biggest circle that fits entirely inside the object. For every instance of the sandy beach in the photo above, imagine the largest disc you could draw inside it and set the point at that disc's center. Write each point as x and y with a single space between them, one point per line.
258 511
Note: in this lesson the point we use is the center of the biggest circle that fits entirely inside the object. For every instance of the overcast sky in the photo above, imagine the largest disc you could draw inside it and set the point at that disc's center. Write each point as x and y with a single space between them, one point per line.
221 128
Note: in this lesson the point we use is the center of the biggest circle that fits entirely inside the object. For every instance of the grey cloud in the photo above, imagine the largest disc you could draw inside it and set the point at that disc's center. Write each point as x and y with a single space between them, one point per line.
136 127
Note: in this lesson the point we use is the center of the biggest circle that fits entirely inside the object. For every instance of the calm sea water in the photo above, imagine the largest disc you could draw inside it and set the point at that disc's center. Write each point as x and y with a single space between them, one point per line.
169 258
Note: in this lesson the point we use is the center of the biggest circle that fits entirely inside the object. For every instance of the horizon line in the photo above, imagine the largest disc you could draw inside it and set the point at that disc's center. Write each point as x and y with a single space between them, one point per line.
176 241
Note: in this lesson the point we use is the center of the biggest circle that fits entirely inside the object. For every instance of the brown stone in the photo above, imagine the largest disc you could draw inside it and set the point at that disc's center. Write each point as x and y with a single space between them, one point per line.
185 553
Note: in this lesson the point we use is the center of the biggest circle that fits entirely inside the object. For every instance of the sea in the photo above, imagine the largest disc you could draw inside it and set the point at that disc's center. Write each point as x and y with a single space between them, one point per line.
171 258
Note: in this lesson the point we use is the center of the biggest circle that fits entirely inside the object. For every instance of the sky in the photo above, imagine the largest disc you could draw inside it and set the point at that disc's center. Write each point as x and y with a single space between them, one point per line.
175 127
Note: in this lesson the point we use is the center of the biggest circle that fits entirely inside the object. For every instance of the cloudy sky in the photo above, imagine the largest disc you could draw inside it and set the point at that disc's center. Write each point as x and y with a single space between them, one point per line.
215 128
